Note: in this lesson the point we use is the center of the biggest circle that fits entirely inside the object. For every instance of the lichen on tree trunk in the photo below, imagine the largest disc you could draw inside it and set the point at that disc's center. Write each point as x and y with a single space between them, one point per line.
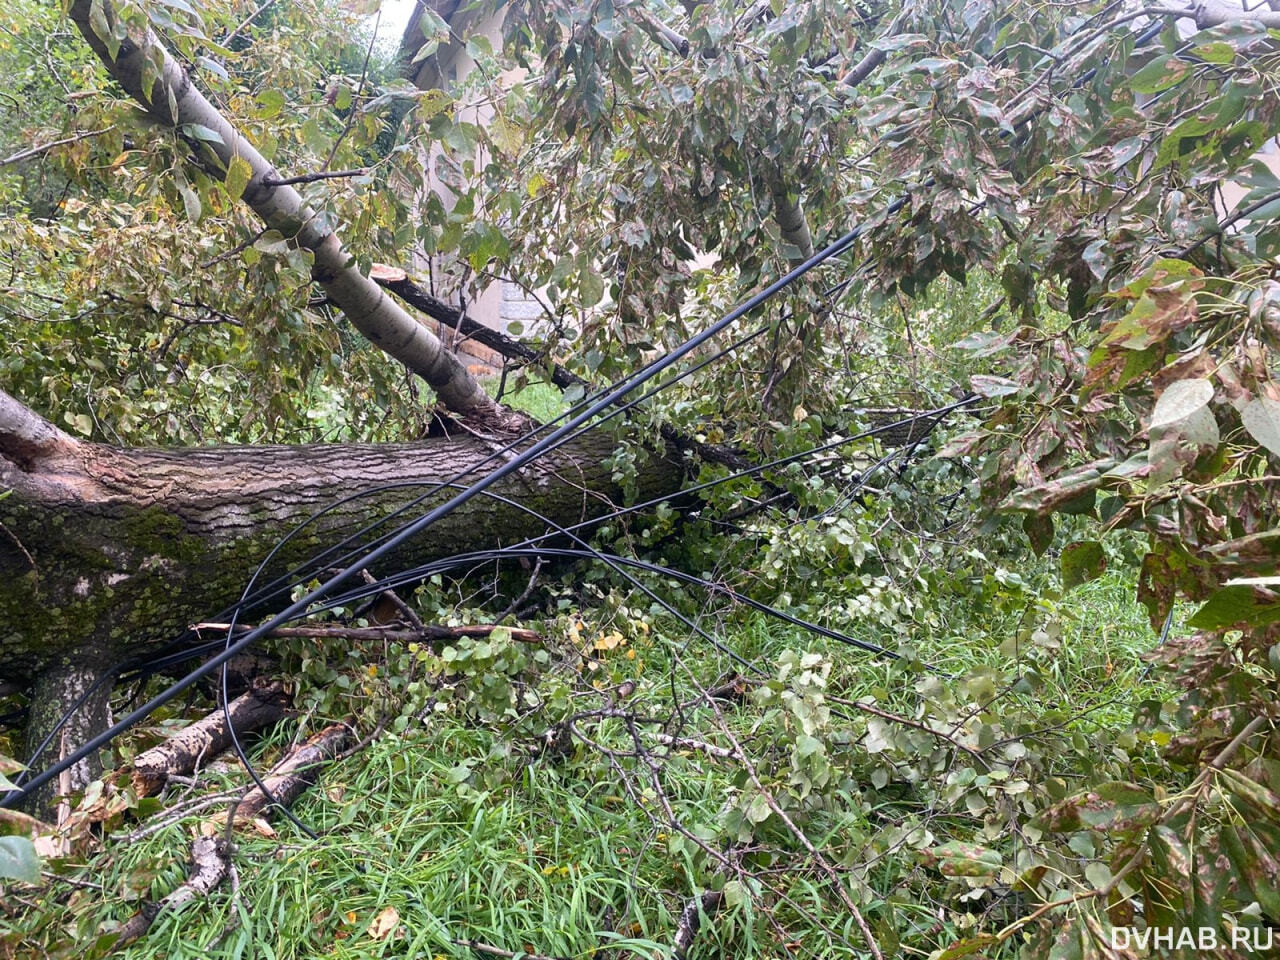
71 679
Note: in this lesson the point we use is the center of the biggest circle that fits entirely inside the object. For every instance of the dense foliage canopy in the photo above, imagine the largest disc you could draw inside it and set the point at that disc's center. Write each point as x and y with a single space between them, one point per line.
1061 212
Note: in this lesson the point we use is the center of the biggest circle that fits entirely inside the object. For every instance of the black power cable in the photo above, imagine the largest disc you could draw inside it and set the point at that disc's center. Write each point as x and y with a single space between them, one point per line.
550 442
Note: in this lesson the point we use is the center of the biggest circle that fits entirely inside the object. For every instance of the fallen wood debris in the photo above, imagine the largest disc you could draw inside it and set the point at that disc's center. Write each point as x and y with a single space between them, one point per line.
691 919
209 864
182 753
290 777
412 635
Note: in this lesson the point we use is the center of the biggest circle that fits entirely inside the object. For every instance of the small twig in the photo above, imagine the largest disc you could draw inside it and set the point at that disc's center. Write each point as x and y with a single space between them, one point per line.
245 23
313 177
518 601
178 813
686 743
46 147
72 881
1221 228
484 948
393 598
364 75
235 251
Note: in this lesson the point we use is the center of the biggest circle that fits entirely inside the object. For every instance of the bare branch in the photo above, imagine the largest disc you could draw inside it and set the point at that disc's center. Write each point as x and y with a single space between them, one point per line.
46 147
313 177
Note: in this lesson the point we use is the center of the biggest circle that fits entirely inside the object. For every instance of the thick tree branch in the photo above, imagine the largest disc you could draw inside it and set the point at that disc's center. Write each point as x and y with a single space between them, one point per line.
206 738
1213 13
397 282
872 59
788 213
26 437
170 97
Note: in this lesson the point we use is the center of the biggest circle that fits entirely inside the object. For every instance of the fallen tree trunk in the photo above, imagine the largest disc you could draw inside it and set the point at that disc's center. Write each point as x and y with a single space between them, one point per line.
130 546
105 550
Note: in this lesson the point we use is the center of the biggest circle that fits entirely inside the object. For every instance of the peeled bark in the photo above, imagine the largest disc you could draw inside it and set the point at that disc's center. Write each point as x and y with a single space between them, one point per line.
144 68
109 549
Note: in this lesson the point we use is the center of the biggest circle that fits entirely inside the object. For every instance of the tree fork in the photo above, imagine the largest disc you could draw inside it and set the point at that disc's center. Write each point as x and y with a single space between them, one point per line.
398 282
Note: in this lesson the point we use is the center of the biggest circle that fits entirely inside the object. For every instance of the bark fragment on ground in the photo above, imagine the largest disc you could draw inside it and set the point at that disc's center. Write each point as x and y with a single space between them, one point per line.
210 861
206 738
292 776
691 919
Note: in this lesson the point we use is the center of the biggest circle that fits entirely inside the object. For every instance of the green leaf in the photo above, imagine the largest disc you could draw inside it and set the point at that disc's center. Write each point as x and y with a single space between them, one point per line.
959 859
1081 562
272 242
966 948
98 22
989 386
239 173
1233 605
198 131
758 810
1160 74
18 860
1261 417
1039 531
270 103
591 287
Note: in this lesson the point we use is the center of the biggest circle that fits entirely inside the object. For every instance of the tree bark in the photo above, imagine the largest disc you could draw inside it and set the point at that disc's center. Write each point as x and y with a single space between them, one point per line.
144 68
210 862
788 214
119 548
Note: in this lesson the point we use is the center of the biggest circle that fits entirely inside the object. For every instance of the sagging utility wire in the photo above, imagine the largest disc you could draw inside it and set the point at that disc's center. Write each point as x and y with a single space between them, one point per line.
552 441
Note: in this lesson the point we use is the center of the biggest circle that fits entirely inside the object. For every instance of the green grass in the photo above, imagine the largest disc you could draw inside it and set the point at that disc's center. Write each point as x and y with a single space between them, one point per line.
542 401
458 825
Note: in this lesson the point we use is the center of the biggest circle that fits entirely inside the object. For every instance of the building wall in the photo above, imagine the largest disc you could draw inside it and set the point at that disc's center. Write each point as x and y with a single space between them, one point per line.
499 303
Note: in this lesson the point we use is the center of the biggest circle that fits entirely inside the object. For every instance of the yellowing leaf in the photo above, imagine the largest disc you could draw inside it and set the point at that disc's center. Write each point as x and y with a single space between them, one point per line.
610 641
239 173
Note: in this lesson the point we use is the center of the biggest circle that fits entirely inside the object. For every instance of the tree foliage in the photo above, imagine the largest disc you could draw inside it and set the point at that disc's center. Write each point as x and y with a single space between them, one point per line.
1042 192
